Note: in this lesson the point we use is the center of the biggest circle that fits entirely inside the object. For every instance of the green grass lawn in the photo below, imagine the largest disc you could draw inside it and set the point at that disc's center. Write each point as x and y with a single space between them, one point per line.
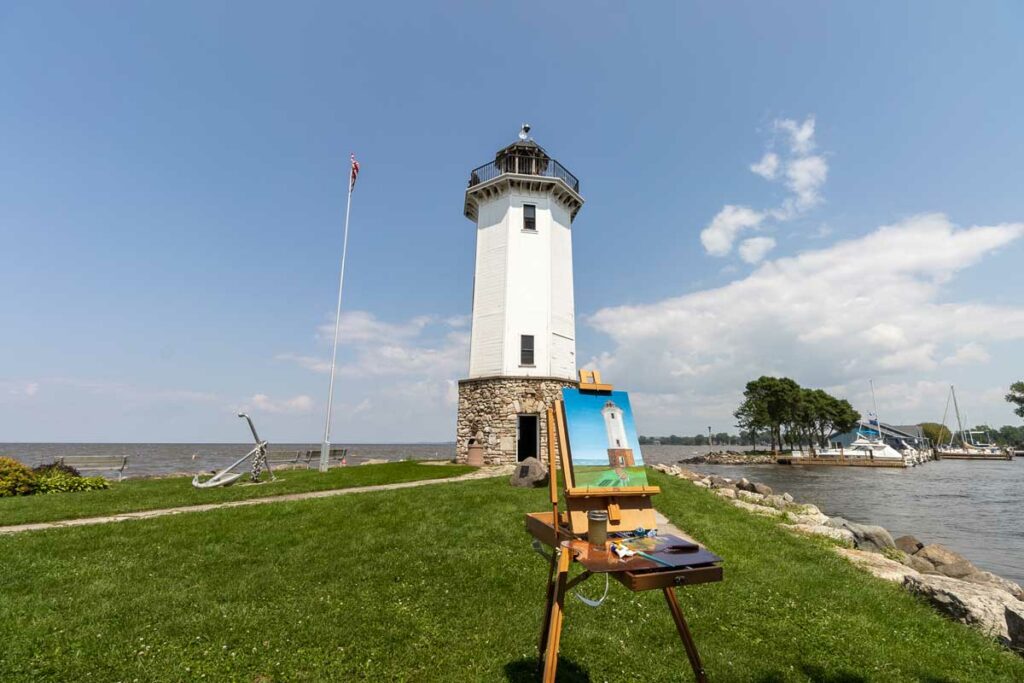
439 584
152 494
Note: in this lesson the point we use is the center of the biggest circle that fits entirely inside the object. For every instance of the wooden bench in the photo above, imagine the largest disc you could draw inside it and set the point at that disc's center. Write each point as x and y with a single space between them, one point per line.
312 458
96 463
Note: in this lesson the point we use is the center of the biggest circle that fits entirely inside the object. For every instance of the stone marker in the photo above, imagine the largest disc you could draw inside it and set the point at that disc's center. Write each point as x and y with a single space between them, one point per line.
529 472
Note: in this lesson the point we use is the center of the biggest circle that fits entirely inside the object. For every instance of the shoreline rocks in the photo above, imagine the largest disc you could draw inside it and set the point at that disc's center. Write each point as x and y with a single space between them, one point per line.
729 458
943 577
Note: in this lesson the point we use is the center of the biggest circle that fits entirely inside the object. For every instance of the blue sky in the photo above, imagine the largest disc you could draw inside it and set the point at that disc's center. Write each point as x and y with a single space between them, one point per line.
172 192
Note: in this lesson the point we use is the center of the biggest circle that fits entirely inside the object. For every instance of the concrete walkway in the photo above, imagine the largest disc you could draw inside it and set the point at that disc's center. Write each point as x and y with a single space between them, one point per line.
482 473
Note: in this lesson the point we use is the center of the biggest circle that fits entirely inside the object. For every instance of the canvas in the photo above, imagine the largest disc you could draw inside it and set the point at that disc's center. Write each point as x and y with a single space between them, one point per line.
604 447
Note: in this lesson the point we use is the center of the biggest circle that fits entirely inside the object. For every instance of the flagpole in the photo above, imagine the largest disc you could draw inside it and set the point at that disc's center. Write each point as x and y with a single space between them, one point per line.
325 448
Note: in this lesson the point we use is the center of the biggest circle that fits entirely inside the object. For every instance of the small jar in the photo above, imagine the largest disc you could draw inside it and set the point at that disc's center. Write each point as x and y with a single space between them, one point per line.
597 528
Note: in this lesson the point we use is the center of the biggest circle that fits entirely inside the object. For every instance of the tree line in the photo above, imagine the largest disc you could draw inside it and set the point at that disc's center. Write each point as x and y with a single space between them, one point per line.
789 414
720 439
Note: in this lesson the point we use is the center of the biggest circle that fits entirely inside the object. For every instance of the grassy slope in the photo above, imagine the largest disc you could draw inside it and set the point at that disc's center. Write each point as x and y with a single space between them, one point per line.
439 583
152 494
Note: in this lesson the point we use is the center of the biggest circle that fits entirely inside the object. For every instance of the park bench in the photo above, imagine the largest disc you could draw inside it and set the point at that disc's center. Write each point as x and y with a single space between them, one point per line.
275 458
337 456
96 463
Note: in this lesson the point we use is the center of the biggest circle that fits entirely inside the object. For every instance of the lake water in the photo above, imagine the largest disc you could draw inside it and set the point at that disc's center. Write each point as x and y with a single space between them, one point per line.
974 508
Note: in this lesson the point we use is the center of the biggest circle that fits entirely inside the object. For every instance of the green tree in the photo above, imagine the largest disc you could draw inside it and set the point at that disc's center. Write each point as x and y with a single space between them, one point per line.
936 433
769 404
1016 397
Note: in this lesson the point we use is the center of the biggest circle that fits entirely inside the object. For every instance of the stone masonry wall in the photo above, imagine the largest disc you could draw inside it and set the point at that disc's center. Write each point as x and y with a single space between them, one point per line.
489 406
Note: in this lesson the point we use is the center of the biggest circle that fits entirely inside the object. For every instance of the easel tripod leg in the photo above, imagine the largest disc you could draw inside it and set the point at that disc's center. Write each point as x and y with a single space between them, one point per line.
684 634
557 615
546 619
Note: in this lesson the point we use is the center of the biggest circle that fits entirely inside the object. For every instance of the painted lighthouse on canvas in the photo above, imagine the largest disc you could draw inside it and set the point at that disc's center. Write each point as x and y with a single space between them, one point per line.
523 340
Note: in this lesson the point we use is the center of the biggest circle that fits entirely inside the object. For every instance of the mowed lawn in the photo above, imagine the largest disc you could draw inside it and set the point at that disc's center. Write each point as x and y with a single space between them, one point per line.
439 584
134 495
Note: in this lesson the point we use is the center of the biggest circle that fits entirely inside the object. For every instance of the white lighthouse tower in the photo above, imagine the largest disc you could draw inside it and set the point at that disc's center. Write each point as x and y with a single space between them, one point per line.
523 344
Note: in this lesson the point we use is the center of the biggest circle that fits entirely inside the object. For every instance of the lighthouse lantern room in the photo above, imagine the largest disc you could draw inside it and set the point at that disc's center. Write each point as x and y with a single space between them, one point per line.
523 341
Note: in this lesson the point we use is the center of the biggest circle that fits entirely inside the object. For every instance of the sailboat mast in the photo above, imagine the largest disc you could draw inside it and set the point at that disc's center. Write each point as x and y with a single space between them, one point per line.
959 423
945 414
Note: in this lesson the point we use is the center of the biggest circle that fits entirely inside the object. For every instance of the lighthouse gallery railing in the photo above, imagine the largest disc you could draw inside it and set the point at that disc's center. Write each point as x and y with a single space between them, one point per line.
523 165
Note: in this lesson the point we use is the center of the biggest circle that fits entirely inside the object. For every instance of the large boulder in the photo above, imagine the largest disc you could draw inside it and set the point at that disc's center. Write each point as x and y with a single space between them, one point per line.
990 609
957 570
866 536
758 509
763 489
744 485
726 493
835 534
528 473
719 482
991 579
750 496
908 544
805 517
878 565
684 473
918 563
939 555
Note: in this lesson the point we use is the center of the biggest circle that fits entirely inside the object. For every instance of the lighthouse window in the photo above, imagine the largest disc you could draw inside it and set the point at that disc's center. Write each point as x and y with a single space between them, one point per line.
526 349
529 217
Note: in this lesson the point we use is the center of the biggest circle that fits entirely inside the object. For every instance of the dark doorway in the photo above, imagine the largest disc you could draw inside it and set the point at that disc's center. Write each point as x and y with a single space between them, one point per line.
526 441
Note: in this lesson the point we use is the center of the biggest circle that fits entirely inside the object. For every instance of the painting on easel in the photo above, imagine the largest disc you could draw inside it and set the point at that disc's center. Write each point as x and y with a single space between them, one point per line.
603 443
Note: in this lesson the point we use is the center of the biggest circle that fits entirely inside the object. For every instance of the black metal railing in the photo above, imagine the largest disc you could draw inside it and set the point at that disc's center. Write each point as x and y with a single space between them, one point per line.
523 165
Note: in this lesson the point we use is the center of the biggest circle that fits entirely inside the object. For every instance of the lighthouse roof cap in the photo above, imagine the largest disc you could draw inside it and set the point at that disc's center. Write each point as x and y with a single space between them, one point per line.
610 404
522 148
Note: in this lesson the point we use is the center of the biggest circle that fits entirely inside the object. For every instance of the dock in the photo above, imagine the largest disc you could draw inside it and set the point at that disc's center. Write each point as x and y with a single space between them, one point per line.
970 456
841 462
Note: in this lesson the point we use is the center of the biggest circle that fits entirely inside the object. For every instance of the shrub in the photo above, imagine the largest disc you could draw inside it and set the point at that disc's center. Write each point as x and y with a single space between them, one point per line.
56 466
58 481
16 479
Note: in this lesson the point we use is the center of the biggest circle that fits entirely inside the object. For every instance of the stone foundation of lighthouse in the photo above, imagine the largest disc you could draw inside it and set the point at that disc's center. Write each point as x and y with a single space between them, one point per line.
490 409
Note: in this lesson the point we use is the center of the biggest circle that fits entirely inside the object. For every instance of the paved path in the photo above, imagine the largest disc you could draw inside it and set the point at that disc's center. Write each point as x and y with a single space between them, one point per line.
482 473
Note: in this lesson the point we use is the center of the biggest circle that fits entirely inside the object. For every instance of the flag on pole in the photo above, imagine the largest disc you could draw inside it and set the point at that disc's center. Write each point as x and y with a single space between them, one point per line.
354 174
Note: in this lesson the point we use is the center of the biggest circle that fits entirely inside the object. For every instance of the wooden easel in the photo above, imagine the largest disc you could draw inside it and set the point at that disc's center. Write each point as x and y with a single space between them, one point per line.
628 508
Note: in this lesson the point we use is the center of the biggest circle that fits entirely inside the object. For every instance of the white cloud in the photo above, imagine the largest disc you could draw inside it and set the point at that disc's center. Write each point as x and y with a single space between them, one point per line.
292 406
801 172
755 249
804 177
875 306
362 326
801 135
767 167
969 354
719 235
398 379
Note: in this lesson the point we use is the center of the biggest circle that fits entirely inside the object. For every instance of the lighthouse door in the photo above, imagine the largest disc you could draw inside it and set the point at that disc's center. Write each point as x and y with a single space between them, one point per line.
527 437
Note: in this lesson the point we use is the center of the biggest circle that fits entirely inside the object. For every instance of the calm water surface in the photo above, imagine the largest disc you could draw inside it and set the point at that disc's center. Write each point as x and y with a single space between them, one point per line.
974 508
